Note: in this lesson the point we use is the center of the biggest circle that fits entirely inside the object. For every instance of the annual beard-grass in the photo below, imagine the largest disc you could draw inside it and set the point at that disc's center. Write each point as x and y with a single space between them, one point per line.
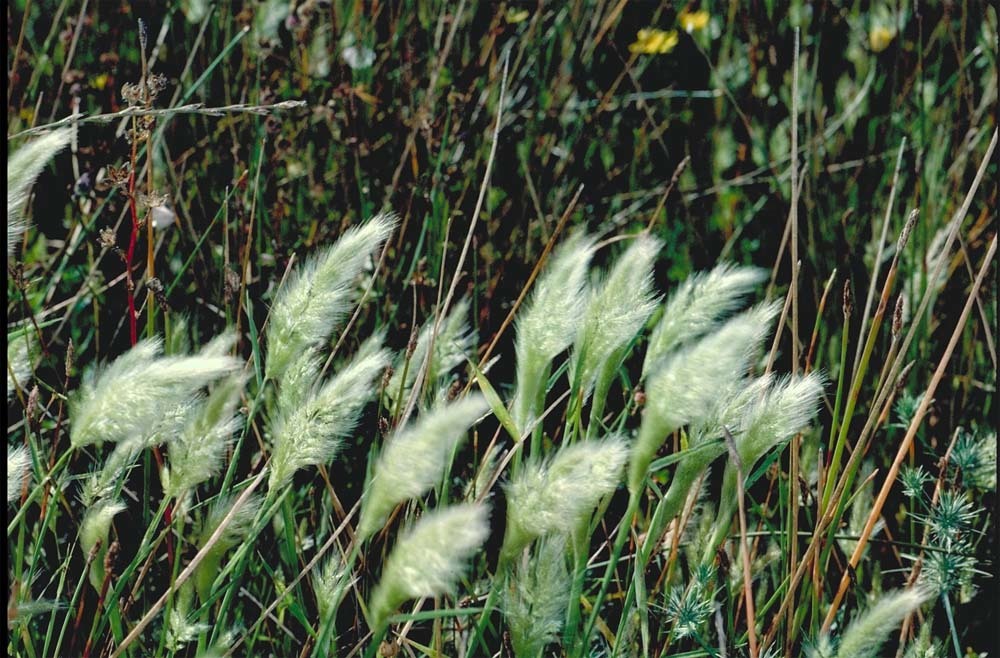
603 438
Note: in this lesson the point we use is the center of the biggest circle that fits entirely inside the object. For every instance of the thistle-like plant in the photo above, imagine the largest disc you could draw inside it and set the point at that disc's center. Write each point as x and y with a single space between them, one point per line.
689 608
23 167
18 465
429 558
535 603
415 458
696 308
309 427
549 322
685 387
453 342
615 313
132 394
318 295
555 496
975 457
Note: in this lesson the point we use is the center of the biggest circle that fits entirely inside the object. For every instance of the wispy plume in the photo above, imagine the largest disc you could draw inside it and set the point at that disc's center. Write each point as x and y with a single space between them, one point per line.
21 349
454 341
18 463
310 427
429 559
94 531
535 605
727 411
769 423
684 388
318 295
415 459
616 312
234 533
549 322
197 453
132 394
23 167
696 308
869 630
556 496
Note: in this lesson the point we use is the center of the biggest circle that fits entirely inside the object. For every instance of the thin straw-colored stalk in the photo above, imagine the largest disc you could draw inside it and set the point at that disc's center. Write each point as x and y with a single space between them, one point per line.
911 433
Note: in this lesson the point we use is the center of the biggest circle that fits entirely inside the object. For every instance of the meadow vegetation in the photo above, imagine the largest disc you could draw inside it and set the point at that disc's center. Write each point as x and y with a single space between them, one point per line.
501 329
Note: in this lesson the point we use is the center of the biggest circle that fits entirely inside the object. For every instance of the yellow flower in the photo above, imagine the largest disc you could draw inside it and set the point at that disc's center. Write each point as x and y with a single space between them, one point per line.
880 37
517 15
100 81
693 21
651 41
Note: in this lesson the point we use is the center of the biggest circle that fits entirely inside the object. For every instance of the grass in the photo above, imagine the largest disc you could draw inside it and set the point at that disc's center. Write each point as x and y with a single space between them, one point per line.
796 459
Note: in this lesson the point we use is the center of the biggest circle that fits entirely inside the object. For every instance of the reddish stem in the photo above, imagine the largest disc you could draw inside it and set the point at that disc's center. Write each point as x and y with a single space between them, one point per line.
133 237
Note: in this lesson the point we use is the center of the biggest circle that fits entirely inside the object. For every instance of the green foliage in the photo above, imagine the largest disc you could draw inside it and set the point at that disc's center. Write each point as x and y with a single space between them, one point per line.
301 464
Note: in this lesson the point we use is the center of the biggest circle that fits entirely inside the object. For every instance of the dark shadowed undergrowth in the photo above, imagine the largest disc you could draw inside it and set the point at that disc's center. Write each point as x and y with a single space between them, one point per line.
497 329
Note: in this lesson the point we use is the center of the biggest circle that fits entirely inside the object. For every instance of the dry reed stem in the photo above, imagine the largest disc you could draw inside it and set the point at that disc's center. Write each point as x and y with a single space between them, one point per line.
441 309
911 433
189 569
744 549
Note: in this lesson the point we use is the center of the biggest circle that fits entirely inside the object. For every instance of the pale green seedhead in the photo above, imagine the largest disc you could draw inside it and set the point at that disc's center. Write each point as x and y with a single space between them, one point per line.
23 167
131 395
556 496
696 308
310 427
414 459
319 294
549 322
428 559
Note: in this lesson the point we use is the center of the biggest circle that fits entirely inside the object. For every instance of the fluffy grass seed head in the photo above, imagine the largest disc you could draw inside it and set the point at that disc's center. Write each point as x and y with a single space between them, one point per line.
415 458
21 351
197 453
535 604
557 495
429 558
311 432
866 633
318 295
786 409
18 463
696 308
94 530
234 533
615 313
685 387
331 585
550 320
454 341
130 395
23 167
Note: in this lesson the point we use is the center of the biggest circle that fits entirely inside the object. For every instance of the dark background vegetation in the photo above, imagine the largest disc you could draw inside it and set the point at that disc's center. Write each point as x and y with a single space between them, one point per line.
581 112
